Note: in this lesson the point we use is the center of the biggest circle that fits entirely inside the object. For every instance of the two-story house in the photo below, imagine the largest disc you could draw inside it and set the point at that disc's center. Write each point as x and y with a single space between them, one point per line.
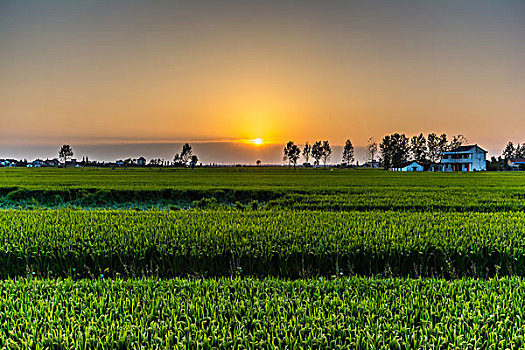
464 158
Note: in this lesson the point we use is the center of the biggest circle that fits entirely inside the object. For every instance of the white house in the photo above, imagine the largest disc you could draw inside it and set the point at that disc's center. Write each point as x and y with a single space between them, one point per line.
413 166
464 158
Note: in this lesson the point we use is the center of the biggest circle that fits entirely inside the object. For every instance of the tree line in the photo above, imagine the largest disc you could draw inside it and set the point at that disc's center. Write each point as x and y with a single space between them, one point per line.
512 151
394 150
319 151
183 159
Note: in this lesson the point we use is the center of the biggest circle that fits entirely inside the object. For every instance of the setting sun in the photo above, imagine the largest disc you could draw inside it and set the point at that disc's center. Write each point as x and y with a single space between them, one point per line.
256 141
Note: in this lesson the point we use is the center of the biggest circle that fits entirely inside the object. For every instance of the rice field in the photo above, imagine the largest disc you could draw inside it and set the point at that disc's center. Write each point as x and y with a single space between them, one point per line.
261 258
246 313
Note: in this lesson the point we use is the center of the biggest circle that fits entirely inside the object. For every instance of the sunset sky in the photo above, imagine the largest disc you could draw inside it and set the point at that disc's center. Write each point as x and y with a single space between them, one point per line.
125 78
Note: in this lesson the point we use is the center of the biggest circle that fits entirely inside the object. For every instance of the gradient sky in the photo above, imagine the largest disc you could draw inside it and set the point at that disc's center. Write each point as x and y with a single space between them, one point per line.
111 74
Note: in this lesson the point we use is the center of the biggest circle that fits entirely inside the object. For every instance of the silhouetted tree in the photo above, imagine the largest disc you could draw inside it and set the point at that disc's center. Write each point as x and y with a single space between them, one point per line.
128 162
434 153
258 162
182 159
291 153
348 153
372 149
520 151
65 153
317 152
495 164
418 148
509 151
186 153
394 150
307 152
177 161
443 143
457 141
326 152
193 161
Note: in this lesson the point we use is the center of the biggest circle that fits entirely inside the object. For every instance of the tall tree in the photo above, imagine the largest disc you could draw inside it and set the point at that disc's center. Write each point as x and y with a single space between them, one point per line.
457 141
326 152
434 152
307 152
443 143
182 159
348 153
65 153
394 150
317 152
372 149
509 151
186 153
520 151
291 153
418 148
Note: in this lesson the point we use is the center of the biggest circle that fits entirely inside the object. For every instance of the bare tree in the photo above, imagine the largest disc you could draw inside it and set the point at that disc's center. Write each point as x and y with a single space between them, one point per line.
65 153
348 153
372 149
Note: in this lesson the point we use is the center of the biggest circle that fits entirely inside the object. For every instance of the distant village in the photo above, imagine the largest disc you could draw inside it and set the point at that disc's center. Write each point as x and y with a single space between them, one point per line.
55 162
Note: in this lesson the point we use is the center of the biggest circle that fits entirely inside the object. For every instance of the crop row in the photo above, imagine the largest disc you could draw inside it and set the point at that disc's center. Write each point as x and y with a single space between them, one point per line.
253 314
293 244
405 199
358 199
238 178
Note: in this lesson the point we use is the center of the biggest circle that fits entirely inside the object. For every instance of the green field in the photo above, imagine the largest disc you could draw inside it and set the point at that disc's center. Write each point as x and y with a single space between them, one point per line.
278 188
261 257
263 313
248 178
291 244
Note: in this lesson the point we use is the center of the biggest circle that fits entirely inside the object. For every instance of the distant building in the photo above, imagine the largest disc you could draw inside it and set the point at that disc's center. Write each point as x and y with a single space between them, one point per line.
464 158
516 163
8 162
52 162
37 163
374 164
411 166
